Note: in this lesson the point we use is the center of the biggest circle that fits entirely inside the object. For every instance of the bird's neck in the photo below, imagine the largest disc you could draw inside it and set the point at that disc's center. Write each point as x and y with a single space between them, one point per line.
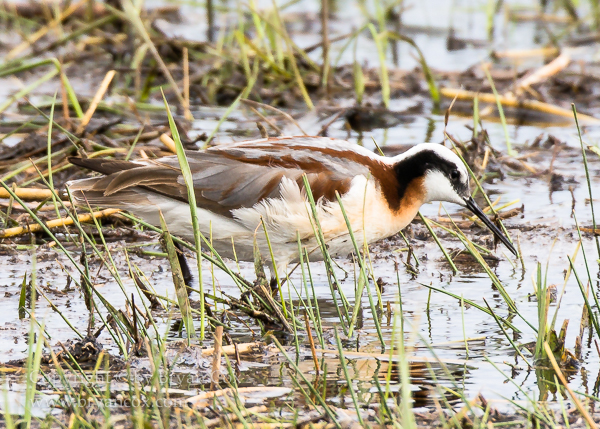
413 198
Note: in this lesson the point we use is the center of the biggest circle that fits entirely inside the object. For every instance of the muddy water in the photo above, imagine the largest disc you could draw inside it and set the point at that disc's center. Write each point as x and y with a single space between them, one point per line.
437 319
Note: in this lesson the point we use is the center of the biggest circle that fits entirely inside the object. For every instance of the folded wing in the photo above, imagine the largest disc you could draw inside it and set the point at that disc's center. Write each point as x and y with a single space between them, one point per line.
230 177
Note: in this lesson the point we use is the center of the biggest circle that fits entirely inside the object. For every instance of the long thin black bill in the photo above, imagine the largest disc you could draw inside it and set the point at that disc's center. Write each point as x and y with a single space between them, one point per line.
472 205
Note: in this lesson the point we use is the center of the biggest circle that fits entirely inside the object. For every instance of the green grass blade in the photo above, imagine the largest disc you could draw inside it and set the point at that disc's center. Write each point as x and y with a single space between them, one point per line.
434 92
509 148
180 286
189 183
347 376
439 243
587 176
383 71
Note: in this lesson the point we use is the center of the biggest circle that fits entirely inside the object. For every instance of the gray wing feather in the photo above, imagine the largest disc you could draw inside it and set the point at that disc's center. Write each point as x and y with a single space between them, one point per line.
230 177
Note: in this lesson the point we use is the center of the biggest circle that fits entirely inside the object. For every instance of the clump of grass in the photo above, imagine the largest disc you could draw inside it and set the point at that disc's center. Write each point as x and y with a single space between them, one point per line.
343 314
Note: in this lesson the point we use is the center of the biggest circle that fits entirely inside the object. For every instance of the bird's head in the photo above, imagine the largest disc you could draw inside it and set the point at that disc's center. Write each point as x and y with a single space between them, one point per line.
442 176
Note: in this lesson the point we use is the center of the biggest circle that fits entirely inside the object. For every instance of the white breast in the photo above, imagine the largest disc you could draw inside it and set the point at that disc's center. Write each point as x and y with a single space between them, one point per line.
291 216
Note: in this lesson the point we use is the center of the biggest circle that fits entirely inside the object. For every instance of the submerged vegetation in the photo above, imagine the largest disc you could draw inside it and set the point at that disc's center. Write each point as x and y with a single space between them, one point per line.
433 327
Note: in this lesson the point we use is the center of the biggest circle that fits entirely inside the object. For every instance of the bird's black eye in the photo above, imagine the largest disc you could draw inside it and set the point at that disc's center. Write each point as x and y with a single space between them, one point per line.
455 175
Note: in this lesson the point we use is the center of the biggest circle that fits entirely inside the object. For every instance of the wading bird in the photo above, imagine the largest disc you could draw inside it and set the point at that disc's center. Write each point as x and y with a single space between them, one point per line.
240 186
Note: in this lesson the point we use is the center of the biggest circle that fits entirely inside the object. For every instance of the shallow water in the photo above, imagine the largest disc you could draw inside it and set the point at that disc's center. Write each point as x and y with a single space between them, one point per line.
437 319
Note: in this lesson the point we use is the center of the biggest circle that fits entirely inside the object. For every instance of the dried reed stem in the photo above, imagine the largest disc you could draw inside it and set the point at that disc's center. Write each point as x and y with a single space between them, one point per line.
28 194
35 227
216 363
584 412
168 142
312 344
537 106
96 100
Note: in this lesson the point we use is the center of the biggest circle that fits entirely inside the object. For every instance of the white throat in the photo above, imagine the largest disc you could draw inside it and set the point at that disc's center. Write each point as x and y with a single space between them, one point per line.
438 188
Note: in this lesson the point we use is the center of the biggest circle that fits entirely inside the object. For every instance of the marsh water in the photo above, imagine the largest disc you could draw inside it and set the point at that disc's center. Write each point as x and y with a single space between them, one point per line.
546 231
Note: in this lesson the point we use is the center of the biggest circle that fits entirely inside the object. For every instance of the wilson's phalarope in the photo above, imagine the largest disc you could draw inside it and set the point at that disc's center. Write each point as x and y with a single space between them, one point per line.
238 185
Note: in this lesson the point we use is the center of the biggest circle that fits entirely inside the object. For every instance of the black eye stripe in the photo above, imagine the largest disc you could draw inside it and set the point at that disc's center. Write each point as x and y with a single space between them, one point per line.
420 163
